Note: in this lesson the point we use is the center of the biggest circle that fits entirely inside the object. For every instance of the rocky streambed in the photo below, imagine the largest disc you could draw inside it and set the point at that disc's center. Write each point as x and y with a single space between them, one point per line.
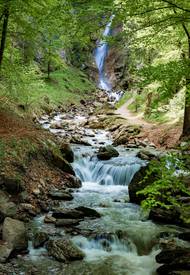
94 228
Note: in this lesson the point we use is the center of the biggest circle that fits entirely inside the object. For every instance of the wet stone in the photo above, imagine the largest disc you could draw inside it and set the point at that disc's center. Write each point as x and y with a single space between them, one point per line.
67 222
39 239
64 250
61 195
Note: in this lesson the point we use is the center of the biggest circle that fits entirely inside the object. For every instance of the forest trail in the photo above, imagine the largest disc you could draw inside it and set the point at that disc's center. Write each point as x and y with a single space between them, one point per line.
162 135
132 118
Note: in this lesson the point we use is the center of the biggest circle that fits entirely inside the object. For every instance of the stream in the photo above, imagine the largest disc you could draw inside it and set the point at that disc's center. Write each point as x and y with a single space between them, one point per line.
122 241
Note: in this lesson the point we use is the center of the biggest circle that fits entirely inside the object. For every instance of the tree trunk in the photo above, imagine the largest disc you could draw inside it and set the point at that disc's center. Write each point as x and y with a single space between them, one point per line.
4 33
49 68
186 123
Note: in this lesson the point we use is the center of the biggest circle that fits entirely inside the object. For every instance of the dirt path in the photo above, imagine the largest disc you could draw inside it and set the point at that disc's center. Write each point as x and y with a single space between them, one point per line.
133 119
162 135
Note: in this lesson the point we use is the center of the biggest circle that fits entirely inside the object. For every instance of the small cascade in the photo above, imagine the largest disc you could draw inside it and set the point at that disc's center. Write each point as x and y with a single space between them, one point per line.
117 171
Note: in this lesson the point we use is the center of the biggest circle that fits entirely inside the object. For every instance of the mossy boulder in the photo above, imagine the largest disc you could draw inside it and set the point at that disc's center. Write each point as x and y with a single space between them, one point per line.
107 152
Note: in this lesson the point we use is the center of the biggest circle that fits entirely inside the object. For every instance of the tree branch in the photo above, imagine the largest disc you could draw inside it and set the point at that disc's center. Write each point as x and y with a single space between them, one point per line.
152 10
175 5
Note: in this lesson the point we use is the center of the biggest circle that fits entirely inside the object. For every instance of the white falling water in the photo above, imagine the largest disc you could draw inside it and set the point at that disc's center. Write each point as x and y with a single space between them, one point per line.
117 171
100 57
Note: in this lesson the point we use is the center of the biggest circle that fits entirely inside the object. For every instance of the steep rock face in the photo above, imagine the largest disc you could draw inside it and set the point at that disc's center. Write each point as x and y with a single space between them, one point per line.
116 67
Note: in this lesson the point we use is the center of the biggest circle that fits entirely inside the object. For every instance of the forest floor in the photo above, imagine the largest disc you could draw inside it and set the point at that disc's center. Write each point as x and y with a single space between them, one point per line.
165 135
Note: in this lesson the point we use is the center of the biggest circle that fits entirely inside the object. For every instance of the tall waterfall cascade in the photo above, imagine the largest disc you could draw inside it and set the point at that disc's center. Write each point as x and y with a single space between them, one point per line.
100 56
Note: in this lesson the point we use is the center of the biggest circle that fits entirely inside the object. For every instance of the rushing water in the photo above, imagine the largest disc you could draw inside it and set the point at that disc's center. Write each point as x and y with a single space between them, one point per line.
122 241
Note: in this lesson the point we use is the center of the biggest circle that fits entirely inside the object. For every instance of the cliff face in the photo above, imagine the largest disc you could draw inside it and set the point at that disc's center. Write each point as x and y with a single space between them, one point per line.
116 67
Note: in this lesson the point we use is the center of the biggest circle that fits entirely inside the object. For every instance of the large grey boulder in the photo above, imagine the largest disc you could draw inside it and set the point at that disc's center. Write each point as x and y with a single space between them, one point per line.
64 250
15 234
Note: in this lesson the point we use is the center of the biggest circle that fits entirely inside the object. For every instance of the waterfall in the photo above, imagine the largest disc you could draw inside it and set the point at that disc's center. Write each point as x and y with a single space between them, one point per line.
117 171
100 57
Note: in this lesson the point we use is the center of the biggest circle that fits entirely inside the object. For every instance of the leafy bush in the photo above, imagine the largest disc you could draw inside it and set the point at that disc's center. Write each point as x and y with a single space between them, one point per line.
168 186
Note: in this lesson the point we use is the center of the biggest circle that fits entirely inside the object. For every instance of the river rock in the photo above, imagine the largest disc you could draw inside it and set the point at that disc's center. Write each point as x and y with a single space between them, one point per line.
49 219
76 213
64 250
67 152
72 182
39 239
79 140
67 222
5 252
137 185
123 134
32 210
107 152
149 154
7 209
173 260
57 125
15 234
61 163
169 216
61 195
68 214
88 212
